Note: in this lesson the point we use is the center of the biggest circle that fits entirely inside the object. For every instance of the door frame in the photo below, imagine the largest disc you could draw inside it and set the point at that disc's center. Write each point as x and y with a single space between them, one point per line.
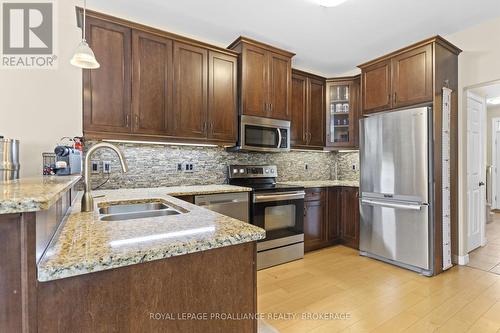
494 187
482 100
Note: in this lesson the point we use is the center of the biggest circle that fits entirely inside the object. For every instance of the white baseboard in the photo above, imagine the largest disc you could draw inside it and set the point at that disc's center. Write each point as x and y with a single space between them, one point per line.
461 260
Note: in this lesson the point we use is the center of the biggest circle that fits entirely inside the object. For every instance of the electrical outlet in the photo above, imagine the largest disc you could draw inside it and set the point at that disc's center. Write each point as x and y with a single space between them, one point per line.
188 167
179 166
306 166
106 167
354 167
94 166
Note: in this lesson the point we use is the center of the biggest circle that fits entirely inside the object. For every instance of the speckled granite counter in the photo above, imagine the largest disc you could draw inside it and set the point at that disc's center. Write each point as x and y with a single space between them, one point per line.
204 189
33 194
323 183
85 244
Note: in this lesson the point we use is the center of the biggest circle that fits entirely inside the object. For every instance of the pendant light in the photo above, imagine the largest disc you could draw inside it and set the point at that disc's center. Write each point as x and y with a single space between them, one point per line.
84 56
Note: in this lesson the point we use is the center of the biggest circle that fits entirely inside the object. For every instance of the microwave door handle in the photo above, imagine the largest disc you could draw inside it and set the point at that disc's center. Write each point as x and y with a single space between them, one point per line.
279 137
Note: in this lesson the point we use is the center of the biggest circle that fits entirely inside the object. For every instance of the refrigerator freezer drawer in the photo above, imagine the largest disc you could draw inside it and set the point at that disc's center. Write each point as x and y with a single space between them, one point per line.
395 231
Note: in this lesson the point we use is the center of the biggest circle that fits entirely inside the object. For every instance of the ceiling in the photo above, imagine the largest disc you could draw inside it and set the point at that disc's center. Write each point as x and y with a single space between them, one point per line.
327 41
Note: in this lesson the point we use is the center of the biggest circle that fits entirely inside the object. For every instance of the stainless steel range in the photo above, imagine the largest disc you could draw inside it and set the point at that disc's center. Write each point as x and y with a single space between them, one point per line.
276 208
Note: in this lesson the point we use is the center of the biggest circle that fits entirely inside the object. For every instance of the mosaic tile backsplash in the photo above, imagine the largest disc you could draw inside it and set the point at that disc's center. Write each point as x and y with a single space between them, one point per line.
156 165
344 163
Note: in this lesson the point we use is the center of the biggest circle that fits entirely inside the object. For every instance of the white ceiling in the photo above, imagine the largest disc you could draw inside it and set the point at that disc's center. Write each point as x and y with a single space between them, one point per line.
327 41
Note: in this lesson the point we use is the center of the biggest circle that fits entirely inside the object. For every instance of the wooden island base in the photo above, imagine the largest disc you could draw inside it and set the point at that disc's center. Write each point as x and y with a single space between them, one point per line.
131 299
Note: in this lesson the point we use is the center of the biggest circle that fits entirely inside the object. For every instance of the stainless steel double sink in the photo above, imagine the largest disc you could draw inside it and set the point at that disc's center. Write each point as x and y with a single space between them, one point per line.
130 211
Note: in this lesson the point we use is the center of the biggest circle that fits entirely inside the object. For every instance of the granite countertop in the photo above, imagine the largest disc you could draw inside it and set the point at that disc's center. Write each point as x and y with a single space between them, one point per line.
323 183
33 194
204 189
85 244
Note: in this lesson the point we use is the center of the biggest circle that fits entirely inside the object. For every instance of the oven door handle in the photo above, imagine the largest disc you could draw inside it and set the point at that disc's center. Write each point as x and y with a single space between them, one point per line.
278 197
279 137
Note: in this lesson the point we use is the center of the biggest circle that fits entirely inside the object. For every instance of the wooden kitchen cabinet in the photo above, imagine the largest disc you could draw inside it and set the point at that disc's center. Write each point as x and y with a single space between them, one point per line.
307 110
349 222
222 97
315 219
334 213
151 83
155 85
190 91
376 87
106 91
331 216
342 114
412 77
403 78
299 109
265 79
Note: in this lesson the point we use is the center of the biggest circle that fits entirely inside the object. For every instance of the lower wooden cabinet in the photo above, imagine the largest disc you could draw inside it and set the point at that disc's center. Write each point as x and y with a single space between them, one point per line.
331 216
315 219
349 220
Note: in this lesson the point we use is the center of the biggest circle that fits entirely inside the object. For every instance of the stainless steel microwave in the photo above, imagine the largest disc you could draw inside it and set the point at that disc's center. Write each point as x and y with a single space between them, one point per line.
263 134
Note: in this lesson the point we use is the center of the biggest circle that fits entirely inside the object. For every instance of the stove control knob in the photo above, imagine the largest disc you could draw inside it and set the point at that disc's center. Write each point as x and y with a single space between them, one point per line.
272 170
242 170
266 170
235 170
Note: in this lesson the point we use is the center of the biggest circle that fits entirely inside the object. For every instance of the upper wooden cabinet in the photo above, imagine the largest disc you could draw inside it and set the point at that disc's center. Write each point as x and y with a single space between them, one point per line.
402 78
222 97
265 79
106 91
412 77
154 85
190 91
342 114
151 83
376 83
307 110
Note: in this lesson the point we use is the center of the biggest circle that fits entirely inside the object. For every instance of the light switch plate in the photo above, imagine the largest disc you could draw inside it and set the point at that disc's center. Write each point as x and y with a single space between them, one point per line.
94 167
106 167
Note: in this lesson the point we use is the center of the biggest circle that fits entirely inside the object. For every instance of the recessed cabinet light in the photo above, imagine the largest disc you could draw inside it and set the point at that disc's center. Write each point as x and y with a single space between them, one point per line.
329 3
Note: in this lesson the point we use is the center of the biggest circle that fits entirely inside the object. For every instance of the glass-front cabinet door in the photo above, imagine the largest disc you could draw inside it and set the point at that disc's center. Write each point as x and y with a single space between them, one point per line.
342 97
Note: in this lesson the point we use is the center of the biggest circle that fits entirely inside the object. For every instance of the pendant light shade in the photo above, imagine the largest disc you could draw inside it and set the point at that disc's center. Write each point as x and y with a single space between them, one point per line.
84 56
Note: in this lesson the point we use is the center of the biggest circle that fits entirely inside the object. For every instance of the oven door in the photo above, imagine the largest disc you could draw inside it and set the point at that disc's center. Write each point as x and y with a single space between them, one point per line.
281 215
264 134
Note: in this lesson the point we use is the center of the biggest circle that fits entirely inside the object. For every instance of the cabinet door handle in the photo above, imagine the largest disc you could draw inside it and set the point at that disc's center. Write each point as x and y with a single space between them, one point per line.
136 121
204 128
127 120
389 98
211 127
395 97
271 107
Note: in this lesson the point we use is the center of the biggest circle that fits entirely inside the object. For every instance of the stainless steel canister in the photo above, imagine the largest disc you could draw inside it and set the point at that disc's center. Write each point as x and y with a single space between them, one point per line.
9 159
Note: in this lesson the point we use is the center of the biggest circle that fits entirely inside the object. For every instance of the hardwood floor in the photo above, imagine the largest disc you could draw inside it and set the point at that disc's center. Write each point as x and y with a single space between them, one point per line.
376 296
487 257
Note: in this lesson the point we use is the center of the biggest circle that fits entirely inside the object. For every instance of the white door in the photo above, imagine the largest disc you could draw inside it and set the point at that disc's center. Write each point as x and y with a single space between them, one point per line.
495 163
476 200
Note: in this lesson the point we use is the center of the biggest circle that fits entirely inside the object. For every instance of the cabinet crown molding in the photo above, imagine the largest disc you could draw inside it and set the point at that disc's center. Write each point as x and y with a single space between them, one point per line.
254 42
436 39
148 29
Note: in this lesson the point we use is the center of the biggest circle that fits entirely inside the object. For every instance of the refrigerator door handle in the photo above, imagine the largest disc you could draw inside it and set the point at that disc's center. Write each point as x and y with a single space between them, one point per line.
390 204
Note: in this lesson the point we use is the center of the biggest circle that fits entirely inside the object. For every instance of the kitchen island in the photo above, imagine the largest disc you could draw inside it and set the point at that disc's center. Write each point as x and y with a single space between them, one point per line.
181 273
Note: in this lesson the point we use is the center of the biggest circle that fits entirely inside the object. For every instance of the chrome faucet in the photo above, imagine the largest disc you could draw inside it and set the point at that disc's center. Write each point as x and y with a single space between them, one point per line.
87 199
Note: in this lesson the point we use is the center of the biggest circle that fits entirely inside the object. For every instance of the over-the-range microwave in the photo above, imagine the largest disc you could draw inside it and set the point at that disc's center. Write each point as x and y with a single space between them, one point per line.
263 134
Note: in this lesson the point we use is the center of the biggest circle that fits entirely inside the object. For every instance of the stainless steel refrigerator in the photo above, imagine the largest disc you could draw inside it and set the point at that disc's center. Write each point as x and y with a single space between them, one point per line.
396 188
